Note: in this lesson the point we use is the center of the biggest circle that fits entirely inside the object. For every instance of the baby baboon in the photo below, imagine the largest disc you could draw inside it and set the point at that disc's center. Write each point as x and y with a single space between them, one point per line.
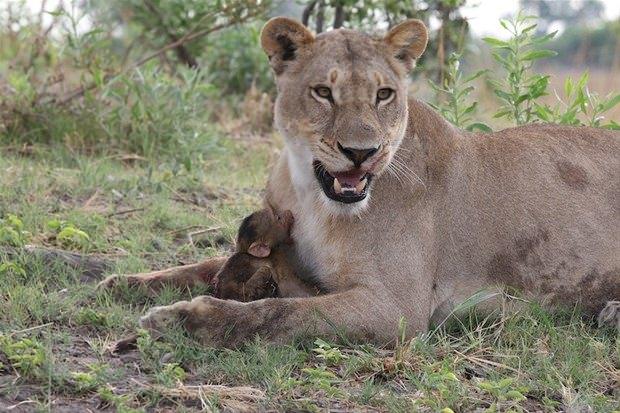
260 266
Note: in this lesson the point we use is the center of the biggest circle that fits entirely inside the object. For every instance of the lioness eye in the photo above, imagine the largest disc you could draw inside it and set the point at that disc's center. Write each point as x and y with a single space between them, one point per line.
384 94
323 92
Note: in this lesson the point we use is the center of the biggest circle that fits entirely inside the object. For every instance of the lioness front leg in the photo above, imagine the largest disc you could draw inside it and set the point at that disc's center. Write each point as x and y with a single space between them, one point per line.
361 314
183 276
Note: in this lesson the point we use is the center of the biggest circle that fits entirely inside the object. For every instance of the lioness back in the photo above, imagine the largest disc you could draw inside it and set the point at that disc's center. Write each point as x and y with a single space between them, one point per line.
535 208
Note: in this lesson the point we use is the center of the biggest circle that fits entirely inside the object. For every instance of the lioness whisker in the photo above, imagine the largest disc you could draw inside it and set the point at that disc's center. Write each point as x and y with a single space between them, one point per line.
408 170
398 167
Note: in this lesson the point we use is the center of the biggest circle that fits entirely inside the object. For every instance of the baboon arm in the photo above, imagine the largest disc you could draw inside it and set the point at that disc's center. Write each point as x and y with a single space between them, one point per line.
183 276
259 285
360 314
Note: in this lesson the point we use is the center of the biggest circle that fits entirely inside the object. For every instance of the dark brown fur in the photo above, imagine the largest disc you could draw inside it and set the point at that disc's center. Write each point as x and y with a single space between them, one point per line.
247 277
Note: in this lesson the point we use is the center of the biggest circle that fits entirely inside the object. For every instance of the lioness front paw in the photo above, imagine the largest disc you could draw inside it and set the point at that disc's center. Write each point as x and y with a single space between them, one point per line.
213 322
110 282
159 319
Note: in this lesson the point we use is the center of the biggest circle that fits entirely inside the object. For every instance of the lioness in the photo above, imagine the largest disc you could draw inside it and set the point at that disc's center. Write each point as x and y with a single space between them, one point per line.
400 214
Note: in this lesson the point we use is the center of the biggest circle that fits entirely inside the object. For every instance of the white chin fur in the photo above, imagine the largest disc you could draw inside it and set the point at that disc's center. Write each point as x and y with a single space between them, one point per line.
336 208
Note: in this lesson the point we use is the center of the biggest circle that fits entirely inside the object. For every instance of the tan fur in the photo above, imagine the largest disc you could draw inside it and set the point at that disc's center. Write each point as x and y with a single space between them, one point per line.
450 213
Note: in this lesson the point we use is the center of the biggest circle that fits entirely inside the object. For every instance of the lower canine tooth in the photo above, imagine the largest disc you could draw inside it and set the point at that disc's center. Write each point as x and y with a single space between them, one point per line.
362 184
337 186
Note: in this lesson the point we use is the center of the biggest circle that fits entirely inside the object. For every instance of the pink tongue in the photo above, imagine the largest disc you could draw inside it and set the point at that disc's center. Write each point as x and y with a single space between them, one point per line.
349 178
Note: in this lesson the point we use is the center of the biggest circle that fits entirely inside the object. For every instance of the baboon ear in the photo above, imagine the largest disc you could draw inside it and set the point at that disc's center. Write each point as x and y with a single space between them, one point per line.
280 38
259 249
407 41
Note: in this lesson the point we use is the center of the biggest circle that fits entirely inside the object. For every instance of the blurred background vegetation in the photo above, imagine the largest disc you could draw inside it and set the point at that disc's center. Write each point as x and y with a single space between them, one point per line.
158 78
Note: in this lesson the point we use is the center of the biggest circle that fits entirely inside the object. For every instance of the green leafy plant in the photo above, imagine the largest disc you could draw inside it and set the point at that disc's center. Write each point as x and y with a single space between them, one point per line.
505 392
579 100
520 93
25 355
119 402
12 268
331 355
517 55
440 386
87 381
323 379
93 318
235 61
170 374
67 235
453 97
12 231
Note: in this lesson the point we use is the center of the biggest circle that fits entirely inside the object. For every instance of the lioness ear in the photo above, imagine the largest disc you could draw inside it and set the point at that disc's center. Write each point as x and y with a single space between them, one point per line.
281 38
407 41
259 249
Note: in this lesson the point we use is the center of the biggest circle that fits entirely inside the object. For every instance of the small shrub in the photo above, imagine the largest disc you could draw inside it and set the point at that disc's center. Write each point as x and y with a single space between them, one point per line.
119 402
26 355
517 56
12 268
170 374
12 231
506 394
331 355
320 378
235 61
453 97
69 236
92 318
88 381
578 100
522 89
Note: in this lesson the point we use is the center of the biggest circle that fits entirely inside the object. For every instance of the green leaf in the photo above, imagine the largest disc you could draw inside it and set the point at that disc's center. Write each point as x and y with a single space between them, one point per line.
538 54
502 113
543 113
568 87
495 42
545 38
583 79
515 395
607 105
483 127
505 382
470 108
613 125
500 93
475 75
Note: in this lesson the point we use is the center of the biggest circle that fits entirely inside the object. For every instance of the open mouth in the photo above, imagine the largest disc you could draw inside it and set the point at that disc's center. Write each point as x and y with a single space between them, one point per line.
347 187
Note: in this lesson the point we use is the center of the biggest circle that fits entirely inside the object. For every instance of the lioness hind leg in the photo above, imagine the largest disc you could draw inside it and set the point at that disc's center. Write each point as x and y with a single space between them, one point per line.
183 276
610 315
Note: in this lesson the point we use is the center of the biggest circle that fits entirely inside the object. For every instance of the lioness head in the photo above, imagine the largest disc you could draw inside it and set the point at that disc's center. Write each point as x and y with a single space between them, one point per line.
341 105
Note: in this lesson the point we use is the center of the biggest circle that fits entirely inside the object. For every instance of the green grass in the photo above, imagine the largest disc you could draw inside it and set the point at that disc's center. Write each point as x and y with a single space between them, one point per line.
55 330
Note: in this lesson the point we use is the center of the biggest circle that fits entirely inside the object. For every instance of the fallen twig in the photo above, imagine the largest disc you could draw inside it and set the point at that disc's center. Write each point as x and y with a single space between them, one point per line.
482 362
30 329
191 235
124 212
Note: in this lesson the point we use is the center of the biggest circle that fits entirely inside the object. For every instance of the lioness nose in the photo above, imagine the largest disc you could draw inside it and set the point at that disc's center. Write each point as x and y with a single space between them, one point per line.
358 156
